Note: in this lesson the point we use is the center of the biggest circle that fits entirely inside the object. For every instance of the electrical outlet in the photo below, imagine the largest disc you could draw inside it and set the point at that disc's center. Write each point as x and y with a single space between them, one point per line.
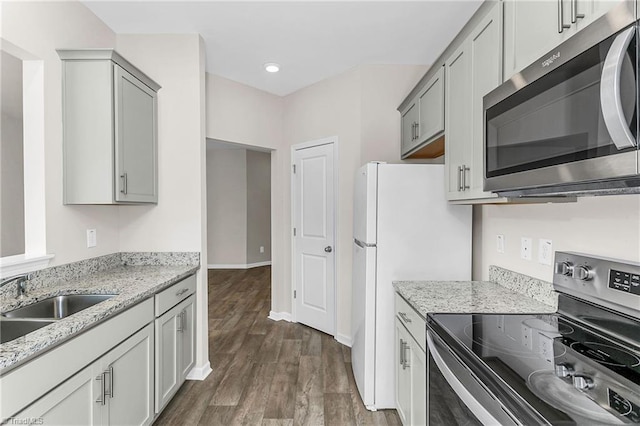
546 347
91 238
526 337
545 251
261 249
526 246
500 243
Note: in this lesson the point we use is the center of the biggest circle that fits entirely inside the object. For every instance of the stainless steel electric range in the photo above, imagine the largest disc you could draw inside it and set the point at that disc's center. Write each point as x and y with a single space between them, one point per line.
579 366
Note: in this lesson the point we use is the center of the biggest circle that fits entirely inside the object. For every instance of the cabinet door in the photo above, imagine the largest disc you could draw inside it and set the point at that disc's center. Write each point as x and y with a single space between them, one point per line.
129 370
458 133
403 374
486 74
409 137
74 402
188 337
418 385
431 108
168 346
531 30
136 139
593 9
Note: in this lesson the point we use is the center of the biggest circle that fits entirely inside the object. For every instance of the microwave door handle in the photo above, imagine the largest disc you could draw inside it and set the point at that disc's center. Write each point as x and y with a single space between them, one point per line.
467 398
610 99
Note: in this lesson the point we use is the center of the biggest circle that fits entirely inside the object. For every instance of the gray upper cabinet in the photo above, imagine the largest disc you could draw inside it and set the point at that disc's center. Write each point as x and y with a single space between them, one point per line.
423 120
109 129
472 71
533 28
431 108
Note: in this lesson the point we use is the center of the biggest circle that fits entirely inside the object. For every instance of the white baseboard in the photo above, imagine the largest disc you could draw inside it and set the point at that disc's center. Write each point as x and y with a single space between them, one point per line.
344 339
200 373
280 316
238 265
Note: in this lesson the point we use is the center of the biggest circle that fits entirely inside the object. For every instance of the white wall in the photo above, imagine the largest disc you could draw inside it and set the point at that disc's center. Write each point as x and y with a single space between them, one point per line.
606 226
258 206
227 206
178 221
38 28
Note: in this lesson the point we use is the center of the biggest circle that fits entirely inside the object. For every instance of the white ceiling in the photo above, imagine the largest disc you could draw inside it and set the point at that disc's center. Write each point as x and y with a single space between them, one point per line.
311 40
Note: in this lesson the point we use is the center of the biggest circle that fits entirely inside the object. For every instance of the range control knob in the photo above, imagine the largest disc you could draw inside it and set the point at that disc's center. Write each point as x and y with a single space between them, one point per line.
582 383
564 370
564 268
583 273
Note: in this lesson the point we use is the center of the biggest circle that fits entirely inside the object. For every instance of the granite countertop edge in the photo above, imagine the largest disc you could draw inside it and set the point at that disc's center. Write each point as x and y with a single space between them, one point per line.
466 297
129 284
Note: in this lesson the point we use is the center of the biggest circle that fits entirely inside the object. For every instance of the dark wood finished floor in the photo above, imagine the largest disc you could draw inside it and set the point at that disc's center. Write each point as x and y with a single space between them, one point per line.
267 372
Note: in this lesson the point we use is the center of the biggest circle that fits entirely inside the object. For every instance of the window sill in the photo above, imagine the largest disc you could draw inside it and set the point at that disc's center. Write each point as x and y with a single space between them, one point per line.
21 263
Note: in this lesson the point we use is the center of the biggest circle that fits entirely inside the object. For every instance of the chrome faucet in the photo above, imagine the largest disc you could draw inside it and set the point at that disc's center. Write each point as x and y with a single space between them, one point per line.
21 283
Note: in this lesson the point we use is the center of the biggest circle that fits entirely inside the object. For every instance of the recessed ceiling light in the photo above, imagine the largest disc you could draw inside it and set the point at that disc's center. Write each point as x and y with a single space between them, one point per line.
271 67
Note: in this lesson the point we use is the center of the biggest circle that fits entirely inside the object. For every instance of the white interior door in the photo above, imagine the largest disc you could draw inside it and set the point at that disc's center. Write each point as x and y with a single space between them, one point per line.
313 248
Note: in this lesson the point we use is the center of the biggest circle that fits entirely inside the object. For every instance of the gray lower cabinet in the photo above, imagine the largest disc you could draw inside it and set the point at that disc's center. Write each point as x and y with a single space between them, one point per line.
175 350
109 129
117 389
411 365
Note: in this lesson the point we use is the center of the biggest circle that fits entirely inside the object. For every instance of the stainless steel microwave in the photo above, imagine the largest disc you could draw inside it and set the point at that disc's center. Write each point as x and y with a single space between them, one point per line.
568 124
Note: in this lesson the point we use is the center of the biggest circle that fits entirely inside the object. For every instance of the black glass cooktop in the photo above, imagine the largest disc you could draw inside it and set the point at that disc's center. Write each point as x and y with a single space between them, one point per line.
567 371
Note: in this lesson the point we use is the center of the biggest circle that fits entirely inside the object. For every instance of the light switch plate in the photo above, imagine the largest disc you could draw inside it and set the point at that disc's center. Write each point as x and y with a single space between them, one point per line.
91 238
526 246
500 243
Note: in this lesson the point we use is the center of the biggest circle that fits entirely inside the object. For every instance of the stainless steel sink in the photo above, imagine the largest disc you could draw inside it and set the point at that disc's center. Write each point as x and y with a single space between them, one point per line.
12 329
58 307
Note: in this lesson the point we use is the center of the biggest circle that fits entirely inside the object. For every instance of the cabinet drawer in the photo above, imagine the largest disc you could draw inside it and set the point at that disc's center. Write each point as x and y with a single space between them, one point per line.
412 320
174 294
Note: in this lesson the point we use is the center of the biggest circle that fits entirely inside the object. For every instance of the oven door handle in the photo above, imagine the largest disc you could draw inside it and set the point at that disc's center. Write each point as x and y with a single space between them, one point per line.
610 91
467 398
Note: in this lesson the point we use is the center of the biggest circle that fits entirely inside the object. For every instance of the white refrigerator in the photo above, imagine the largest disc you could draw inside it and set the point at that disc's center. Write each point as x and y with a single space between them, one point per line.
404 229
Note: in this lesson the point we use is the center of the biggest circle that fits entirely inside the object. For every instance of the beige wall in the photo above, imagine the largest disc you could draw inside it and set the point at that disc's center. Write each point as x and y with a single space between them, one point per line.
358 107
239 206
384 87
12 189
11 157
178 221
606 226
38 28
258 206
227 206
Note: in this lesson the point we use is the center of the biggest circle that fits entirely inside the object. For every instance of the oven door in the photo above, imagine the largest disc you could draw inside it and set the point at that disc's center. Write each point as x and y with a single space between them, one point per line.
569 119
455 396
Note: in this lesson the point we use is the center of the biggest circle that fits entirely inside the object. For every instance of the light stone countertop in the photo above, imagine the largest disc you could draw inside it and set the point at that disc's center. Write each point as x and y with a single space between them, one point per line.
462 297
130 283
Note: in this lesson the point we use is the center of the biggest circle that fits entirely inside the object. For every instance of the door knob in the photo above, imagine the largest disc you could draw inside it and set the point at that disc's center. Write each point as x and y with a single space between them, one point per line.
328 249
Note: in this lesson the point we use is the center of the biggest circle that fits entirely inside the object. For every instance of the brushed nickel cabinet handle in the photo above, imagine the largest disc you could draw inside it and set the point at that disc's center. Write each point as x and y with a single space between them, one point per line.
181 292
561 25
102 398
124 183
465 169
574 12
109 371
